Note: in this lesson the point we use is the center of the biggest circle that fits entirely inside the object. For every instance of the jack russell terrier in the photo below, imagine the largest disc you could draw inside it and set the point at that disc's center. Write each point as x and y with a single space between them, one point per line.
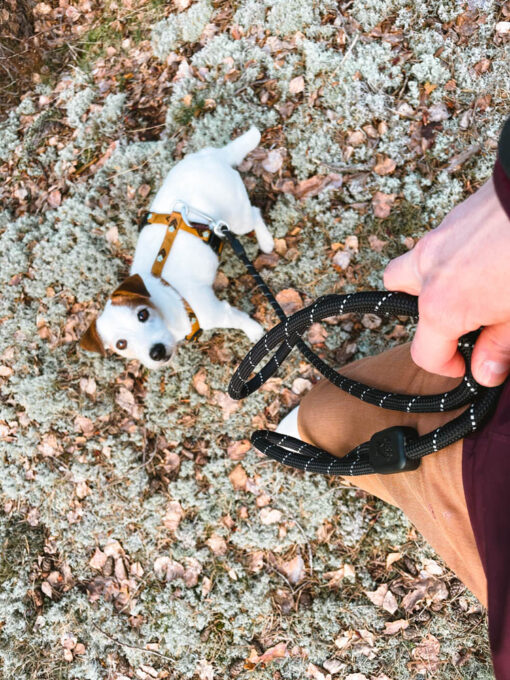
168 296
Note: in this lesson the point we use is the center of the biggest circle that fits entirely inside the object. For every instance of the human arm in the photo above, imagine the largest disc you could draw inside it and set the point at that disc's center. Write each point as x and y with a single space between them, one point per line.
461 273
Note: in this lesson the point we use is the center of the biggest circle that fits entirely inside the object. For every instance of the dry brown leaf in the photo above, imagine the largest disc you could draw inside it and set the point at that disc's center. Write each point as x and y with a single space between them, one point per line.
270 516
336 577
199 382
238 450
301 386
375 243
273 161
217 545
289 300
226 403
238 478
293 569
317 334
428 588
98 560
192 571
371 321
54 198
173 515
384 598
113 549
356 138
426 655
385 165
85 425
382 204
279 651
82 489
315 673
392 558
392 627
297 85
167 569
268 260
342 258
126 400
255 561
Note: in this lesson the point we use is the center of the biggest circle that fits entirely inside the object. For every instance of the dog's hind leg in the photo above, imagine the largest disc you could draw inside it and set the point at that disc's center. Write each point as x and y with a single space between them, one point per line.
264 238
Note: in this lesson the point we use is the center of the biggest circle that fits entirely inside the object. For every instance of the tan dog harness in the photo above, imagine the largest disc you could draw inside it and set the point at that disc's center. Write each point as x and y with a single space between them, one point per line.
175 222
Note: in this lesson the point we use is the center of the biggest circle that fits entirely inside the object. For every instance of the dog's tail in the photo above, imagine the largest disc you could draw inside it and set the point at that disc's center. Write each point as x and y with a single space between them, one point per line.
240 147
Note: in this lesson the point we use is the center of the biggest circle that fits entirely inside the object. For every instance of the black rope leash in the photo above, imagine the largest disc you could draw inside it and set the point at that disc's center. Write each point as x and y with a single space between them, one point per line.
392 450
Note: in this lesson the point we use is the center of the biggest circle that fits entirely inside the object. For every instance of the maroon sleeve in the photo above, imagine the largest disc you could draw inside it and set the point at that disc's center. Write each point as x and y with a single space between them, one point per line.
486 475
501 175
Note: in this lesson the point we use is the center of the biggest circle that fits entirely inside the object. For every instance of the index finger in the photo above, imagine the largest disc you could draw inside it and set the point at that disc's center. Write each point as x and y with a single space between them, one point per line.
402 274
436 353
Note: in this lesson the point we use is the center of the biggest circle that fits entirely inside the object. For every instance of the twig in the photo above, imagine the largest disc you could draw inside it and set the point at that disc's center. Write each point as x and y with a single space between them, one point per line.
126 644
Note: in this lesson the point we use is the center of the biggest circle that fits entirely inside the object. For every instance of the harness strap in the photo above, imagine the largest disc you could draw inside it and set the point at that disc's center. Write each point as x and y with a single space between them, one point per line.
201 231
175 223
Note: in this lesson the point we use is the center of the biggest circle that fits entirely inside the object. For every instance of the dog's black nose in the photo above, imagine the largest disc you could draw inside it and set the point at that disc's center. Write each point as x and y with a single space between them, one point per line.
157 352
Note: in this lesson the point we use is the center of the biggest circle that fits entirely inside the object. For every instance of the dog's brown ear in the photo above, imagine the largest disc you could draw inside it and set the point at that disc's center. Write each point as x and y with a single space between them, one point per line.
91 341
131 288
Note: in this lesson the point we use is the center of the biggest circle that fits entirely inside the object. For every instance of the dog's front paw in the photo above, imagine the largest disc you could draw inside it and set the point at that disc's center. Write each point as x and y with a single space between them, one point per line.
266 242
253 330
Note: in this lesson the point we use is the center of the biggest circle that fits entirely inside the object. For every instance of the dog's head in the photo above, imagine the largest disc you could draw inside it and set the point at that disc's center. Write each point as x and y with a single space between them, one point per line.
131 326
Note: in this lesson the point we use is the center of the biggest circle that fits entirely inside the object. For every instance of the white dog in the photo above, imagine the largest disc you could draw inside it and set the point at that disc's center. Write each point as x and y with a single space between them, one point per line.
169 294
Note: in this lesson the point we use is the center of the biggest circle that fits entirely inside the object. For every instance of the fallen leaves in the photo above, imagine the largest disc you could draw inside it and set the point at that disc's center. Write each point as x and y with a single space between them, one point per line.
279 651
293 570
382 204
426 656
173 516
237 450
384 598
238 478
226 403
431 589
199 382
384 165
336 577
297 85
126 400
217 545
393 627
312 186
270 516
289 300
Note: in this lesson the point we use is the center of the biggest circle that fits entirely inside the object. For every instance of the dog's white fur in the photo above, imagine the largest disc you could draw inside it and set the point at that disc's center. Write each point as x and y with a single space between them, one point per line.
204 181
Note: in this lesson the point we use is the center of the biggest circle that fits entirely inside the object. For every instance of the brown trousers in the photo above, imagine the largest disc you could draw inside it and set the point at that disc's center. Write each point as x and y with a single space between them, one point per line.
432 496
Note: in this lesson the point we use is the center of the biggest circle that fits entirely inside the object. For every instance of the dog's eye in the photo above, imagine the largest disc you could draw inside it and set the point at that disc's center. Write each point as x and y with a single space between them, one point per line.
143 315
121 344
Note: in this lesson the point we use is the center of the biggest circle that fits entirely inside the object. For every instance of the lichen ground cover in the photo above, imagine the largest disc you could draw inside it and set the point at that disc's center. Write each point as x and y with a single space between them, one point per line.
142 537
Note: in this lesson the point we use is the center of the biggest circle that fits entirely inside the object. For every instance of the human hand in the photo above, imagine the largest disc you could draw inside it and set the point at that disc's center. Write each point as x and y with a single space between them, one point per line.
461 273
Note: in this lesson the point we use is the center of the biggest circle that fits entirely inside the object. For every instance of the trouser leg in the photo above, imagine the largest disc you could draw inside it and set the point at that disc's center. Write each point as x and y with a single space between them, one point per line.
432 496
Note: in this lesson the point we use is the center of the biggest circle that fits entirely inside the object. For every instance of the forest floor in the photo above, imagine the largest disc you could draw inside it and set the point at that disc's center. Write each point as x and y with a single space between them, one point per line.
141 535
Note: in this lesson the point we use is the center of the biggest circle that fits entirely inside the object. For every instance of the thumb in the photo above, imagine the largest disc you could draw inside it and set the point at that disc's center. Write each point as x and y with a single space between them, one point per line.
491 357
402 274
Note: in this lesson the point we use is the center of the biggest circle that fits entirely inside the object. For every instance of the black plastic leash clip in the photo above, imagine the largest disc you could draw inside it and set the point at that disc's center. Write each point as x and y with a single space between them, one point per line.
387 450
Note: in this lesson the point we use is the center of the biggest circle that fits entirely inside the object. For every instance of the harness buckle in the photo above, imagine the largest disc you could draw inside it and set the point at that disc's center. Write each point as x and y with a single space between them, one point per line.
387 453
220 228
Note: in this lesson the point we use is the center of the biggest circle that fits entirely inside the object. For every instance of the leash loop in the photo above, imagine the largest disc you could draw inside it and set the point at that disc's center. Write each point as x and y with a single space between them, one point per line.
389 451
